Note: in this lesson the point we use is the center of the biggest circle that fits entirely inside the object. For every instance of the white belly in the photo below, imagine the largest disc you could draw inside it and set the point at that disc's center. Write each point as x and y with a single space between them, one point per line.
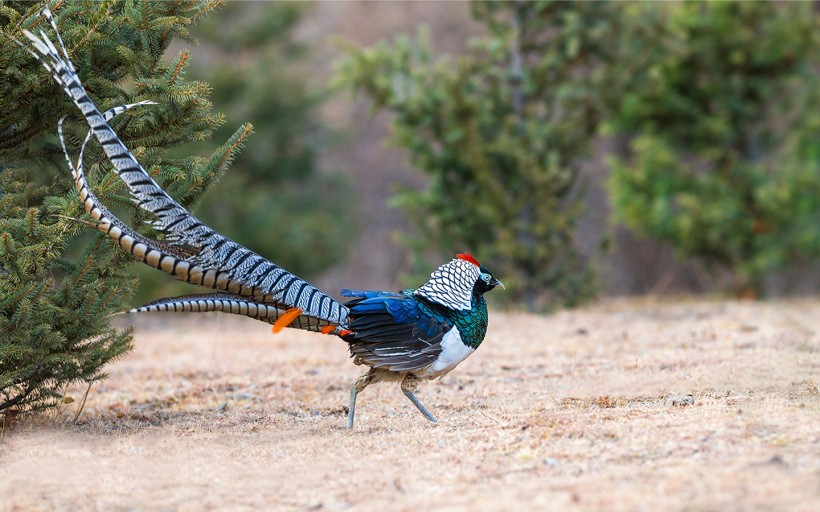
453 351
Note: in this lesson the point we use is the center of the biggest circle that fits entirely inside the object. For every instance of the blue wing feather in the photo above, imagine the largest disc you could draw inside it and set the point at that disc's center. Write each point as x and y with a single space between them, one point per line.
365 294
394 330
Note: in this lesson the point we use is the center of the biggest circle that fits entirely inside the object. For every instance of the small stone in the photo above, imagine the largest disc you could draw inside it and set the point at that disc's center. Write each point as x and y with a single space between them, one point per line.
549 461
221 407
777 460
681 400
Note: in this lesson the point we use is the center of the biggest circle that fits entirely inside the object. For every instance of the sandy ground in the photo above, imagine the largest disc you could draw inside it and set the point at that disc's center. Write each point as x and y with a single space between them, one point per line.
581 410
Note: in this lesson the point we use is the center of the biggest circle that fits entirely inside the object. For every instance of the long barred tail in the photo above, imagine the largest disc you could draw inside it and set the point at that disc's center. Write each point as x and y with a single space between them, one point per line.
172 259
217 261
157 254
227 303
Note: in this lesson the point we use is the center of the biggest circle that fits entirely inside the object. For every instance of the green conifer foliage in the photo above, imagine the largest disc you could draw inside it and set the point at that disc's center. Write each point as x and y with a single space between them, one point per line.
58 283
501 132
724 160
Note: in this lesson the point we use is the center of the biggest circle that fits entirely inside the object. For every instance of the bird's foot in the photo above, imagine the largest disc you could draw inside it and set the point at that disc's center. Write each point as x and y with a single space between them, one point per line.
408 387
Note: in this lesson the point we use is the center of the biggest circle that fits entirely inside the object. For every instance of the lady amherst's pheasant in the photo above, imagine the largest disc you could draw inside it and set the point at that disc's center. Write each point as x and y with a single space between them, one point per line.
406 336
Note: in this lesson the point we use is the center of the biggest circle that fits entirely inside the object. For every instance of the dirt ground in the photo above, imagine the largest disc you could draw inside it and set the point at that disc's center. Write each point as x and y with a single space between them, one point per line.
626 405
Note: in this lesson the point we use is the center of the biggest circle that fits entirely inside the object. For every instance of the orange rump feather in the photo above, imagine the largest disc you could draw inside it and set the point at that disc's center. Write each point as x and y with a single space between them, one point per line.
286 319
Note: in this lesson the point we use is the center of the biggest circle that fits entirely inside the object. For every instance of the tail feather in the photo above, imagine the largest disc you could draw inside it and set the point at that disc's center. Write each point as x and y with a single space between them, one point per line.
216 261
226 303
169 258
152 252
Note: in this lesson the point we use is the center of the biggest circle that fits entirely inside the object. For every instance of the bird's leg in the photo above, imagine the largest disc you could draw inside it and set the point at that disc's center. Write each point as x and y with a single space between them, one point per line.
358 385
408 387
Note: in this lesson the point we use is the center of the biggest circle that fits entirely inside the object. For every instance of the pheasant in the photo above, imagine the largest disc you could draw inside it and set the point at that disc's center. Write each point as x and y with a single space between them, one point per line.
407 336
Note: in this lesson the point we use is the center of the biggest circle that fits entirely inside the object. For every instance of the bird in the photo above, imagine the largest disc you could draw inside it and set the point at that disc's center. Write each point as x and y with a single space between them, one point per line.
407 336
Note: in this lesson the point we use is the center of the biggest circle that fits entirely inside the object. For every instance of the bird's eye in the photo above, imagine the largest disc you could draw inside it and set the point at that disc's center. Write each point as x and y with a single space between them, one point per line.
486 278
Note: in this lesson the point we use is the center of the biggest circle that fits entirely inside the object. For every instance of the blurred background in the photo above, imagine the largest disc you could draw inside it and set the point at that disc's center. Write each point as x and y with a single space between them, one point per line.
577 149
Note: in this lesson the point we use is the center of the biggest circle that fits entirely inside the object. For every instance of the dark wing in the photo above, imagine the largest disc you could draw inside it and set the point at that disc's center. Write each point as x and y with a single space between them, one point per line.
394 331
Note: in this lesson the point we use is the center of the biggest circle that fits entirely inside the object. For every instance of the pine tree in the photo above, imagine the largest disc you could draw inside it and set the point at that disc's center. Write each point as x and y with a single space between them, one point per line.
502 132
60 283
724 160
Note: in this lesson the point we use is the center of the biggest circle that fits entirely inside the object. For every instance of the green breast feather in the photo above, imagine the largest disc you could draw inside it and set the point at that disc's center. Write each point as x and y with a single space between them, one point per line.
471 324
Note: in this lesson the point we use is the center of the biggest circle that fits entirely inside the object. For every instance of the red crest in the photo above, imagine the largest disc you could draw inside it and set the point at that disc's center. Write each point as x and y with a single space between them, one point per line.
468 257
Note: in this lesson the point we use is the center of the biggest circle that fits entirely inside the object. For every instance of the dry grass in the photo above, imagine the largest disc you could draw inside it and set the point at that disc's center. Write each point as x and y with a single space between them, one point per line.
628 405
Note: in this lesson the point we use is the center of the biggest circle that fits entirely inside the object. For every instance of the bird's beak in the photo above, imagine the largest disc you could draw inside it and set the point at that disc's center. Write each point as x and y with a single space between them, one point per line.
496 282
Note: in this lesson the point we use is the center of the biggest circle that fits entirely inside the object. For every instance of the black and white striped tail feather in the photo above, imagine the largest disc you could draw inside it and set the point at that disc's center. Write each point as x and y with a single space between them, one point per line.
141 185
159 255
180 226
152 252
246 272
226 303
169 258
